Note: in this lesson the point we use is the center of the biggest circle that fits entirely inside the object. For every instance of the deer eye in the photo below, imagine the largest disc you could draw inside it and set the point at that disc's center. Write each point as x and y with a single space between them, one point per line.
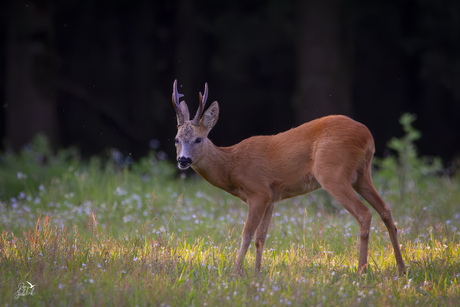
198 141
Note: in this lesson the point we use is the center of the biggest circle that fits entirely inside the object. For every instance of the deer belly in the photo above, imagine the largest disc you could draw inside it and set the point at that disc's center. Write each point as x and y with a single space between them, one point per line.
303 187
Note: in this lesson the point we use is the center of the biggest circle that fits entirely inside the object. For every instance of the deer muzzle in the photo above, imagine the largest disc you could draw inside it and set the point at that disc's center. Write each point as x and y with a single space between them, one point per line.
184 162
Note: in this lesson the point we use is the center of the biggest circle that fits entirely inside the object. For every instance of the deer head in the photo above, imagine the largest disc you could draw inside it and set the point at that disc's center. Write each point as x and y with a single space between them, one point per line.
192 135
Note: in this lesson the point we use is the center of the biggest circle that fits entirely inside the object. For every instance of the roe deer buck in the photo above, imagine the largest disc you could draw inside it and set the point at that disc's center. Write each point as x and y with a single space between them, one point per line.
333 152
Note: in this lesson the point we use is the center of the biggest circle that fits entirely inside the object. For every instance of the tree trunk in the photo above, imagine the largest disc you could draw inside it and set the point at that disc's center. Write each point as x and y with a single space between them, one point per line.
31 73
324 76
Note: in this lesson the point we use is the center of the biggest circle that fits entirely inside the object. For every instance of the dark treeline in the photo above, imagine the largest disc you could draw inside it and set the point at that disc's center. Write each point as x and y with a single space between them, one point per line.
98 74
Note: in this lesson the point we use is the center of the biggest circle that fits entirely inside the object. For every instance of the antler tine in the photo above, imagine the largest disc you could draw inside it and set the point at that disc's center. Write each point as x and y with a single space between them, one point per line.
205 97
200 110
175 99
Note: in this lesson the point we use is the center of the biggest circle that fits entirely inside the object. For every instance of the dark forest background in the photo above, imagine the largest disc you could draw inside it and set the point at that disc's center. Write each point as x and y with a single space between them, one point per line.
98 74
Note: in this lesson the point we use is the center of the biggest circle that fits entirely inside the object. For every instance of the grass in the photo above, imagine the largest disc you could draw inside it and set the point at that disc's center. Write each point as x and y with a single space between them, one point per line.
105 234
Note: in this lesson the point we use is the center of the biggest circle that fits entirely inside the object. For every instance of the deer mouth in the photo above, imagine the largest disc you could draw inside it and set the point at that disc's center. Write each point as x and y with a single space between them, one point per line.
183 166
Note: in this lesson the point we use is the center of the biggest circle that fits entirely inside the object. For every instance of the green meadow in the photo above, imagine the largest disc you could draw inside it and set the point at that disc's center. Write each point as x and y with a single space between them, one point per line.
105 232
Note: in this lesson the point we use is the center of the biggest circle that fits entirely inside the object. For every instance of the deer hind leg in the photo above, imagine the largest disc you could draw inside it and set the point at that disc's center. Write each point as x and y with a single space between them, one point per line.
255 214
343 192
261 235
366 189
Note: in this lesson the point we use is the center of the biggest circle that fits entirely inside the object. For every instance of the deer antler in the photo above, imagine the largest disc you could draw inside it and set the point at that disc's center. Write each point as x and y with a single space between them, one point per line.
199 112
175 100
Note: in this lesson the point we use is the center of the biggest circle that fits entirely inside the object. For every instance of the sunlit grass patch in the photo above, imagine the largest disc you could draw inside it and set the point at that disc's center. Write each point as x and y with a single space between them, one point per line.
167 269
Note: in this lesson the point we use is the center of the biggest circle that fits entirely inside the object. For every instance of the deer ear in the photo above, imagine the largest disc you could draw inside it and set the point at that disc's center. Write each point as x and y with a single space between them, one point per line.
211 116
185 112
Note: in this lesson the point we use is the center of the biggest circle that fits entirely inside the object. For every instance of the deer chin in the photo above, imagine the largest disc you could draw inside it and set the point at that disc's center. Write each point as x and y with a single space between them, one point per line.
183 166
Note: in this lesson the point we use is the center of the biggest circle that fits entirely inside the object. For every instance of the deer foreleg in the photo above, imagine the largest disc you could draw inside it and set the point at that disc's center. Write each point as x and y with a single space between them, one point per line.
261 235
255 213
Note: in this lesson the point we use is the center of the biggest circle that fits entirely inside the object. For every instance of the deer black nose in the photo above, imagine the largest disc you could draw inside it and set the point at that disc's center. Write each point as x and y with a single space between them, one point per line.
184 162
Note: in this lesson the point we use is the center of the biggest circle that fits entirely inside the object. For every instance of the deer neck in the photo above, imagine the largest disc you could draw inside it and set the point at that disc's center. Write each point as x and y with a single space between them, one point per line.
214 165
